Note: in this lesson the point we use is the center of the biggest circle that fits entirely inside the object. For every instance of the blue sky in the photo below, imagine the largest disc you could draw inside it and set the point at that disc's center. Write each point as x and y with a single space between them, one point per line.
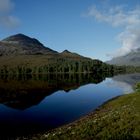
88 27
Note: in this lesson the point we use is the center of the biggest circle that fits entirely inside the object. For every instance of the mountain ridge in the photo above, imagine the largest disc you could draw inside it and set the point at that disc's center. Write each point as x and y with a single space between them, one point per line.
22 44
132 58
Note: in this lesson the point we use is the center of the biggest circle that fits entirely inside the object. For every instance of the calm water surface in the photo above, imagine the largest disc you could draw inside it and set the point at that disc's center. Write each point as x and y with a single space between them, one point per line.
31 105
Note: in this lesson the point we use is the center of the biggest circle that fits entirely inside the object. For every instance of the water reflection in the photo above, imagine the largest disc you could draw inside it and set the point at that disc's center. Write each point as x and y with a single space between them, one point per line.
130 79
126 81
24 91
37 103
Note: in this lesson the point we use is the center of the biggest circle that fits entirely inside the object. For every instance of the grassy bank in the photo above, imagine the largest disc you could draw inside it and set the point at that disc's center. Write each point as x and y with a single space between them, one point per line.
117 119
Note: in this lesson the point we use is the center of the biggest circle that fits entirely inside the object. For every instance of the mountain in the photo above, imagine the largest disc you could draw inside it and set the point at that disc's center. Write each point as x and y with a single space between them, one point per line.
21 50
20 54
133 59
21 44
69 54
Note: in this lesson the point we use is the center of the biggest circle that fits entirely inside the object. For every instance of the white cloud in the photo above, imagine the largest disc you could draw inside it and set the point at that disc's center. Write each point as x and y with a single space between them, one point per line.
129 20
6 19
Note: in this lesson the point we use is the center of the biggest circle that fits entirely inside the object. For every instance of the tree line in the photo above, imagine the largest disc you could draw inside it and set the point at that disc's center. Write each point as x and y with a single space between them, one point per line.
65 66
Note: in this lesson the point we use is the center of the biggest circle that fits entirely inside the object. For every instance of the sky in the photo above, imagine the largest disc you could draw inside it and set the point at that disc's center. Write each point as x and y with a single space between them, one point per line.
100 29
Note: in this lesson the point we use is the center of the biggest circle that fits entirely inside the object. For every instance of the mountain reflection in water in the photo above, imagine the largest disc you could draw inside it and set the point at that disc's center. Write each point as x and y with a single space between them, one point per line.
24 91
37 103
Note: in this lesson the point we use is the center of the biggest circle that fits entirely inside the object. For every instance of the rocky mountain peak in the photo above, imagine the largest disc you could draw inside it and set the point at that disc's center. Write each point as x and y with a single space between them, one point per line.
22 44
21 38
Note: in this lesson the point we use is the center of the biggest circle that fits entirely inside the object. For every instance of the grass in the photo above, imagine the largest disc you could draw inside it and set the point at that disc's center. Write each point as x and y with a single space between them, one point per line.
118 119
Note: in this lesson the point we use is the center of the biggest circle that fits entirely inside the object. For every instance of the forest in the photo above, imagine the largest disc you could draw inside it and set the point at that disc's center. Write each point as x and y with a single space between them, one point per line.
58 66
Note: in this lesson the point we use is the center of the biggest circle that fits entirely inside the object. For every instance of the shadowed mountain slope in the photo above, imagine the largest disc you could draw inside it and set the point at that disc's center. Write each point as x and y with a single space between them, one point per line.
22 44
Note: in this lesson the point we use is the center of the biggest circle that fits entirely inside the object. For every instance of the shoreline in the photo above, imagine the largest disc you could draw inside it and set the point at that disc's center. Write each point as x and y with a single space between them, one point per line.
116 118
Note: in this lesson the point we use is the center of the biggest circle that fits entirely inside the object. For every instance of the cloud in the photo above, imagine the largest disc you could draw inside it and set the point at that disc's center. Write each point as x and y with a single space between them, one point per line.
127 88
6 19
119 16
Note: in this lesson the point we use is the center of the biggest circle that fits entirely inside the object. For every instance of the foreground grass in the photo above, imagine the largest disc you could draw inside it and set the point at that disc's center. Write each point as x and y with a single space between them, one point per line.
116 120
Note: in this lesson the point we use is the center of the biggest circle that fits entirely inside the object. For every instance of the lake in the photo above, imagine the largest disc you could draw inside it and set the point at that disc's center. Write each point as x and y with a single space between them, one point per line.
34 104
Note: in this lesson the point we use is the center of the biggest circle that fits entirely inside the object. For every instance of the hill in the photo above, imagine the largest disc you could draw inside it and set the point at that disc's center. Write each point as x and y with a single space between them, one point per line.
133 59
21 44
20 54
68 54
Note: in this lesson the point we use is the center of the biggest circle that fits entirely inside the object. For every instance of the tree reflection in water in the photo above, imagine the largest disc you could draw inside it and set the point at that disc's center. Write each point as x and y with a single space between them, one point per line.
23 91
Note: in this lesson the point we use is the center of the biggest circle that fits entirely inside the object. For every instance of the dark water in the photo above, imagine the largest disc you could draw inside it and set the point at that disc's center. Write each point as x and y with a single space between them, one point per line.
36 104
